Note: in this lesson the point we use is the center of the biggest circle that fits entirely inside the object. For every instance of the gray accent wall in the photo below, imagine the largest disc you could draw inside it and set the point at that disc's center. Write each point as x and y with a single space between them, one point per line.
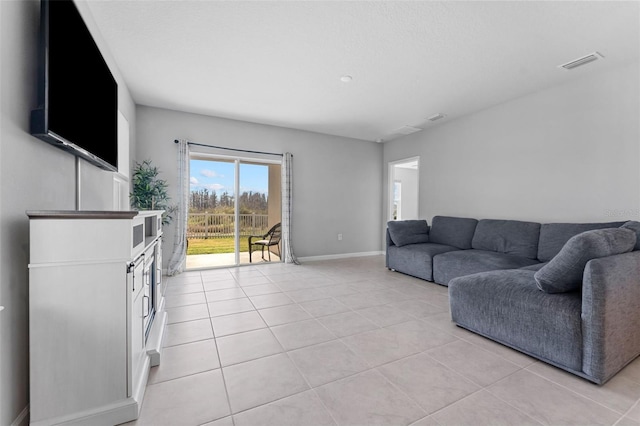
337 180
566 154
33 176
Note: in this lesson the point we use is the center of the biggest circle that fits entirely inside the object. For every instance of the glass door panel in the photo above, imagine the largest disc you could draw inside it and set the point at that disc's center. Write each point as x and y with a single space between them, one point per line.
259 211
233 202
211 226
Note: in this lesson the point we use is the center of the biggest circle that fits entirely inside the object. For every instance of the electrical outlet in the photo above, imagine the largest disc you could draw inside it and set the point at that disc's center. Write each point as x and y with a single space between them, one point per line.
339 237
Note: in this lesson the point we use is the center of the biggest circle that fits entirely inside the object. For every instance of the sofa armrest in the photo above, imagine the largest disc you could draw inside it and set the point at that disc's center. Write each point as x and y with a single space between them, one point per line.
389 244
610 314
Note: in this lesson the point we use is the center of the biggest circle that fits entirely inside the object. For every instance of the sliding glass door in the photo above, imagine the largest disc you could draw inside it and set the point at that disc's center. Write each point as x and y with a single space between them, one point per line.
233 202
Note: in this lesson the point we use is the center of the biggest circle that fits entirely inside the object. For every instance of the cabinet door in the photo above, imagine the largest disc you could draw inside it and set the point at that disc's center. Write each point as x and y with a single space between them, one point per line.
78 318
138 351
159 281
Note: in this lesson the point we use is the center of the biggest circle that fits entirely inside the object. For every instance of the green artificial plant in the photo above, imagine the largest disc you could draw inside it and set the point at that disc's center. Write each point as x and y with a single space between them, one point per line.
150 192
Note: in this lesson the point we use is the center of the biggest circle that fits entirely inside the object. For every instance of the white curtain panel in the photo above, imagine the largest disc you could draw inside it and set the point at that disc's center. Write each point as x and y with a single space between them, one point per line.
287 208
179 255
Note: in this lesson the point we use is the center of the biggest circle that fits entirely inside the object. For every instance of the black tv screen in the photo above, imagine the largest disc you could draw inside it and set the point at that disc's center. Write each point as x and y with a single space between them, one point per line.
77 94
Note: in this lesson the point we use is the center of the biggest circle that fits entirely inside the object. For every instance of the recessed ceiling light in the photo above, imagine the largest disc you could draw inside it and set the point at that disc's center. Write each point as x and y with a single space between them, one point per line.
346 78
379 140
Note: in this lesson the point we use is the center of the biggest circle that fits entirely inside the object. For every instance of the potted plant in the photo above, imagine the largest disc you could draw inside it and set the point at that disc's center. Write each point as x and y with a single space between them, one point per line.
150 192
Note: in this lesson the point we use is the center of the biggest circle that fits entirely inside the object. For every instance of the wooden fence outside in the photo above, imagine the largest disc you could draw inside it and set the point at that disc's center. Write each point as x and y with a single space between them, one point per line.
211 225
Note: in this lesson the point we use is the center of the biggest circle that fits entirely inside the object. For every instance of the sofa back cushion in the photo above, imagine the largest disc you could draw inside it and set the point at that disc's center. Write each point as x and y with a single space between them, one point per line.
404 232
564 272
507 236
452 231
553 236
635 227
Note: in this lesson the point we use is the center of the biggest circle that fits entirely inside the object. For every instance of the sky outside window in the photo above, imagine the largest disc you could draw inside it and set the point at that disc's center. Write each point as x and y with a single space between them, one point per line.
219 176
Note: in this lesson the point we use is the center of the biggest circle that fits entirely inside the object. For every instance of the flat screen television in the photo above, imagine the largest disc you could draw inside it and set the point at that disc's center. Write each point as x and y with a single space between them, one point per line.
77 94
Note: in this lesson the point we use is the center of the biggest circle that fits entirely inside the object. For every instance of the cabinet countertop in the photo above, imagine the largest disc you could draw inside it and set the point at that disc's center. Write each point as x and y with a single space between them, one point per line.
80 214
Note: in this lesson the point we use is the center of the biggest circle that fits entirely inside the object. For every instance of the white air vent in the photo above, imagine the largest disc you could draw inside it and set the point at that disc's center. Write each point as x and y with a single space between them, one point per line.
407 130
581 61
437 116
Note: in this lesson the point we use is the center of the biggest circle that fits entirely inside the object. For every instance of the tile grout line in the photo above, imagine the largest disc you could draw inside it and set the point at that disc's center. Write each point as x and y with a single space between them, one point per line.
495 353
485 351
480 386
286 352
224 381
488 389
398 389
443 330
315 392
574 391
290 360
627 412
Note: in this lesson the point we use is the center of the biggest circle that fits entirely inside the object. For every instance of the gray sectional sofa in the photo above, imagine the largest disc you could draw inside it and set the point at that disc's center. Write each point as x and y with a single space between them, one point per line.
565 293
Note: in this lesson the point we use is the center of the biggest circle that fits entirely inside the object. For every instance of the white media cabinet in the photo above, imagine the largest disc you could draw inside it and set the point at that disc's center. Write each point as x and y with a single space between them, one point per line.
95 280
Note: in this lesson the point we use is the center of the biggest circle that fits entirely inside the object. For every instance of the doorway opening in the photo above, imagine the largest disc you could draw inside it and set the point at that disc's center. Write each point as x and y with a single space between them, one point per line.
403 189
232 201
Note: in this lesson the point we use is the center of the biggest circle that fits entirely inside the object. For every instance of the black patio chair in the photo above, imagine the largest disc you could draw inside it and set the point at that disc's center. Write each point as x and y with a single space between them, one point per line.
271 238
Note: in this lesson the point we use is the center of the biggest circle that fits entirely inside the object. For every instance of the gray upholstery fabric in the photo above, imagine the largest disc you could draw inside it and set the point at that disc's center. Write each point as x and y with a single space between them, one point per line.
415 259
389 244
635 227
405 232
464 262
553 236
535 267
508 307
452 231
611 314
564 271
507 236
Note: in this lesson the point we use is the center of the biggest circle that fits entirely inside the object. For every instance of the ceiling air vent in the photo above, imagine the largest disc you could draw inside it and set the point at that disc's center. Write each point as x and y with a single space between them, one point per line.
407 130
437 116
581 61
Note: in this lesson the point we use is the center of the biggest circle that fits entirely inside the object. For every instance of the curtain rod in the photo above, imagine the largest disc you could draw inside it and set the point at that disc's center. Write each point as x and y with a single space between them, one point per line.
231 149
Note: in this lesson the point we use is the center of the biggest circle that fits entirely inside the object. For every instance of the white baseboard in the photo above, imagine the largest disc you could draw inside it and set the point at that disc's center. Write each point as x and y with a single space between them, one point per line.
122 411
340 256
20 420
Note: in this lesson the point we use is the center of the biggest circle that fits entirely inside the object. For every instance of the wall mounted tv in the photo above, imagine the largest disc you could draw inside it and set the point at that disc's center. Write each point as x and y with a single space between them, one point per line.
77 95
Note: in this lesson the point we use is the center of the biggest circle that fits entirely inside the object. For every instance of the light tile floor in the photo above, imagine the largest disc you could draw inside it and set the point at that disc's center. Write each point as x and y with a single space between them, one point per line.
198 261
347 342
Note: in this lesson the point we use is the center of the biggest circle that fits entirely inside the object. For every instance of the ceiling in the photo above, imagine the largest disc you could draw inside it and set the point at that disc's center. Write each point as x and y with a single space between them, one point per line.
281 62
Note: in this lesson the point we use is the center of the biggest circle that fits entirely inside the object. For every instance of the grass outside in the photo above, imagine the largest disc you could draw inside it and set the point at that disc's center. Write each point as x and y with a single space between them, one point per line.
216 245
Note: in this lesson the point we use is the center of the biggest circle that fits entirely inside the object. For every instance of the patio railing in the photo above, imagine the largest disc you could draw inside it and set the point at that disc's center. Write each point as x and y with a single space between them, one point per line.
211 225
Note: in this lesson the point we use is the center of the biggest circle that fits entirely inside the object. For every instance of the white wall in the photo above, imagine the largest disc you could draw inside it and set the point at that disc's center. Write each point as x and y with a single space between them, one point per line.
337 180
569 153
409 194
33 176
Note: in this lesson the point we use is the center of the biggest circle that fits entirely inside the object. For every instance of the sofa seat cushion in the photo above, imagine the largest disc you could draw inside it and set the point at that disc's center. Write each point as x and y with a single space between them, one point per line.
452 231
507 236
507 306
564 272
403 232
416 259
553 236
448 266
535 267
